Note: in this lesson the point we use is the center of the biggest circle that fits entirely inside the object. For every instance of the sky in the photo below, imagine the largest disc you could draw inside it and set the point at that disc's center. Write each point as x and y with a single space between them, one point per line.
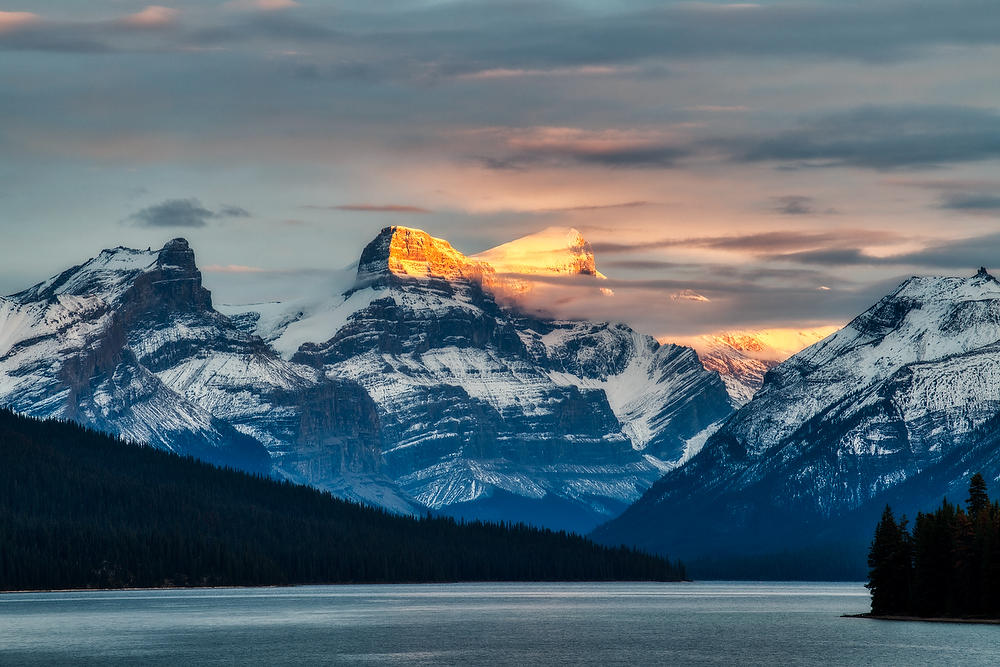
735 165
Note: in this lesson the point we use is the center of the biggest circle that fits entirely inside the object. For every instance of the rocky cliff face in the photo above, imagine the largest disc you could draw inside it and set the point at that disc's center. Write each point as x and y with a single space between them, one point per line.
888 403
129 343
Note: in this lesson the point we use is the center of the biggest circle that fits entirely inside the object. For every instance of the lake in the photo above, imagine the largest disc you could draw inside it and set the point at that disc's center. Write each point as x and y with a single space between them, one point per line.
710 623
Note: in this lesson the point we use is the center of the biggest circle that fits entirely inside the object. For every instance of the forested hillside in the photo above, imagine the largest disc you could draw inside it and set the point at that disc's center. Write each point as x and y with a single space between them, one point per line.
79 509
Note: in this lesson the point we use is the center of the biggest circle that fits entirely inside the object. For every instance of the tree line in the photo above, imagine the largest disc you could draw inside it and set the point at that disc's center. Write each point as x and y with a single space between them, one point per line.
80 509
948 566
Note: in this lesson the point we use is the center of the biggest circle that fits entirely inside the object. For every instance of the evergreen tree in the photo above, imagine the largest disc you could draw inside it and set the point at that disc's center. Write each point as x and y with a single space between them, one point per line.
952 561
932 561
889 563
978 500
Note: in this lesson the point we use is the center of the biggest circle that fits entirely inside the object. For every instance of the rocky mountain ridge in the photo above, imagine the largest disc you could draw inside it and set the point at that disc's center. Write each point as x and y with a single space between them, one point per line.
129 343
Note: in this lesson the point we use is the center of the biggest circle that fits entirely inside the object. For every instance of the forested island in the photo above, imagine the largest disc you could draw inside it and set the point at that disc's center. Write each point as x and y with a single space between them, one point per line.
80 509
948 567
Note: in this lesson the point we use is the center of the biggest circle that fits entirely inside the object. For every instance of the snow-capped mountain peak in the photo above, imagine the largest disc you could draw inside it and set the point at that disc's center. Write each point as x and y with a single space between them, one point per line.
115 270
505 270
904 401
552 251
480 403
129 342
415 387
743 357
413 253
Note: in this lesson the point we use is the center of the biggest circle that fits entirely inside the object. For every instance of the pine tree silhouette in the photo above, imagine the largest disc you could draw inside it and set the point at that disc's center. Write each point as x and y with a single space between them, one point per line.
978 500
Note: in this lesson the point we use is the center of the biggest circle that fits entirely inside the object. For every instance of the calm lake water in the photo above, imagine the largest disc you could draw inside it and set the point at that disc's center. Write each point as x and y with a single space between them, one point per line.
521 624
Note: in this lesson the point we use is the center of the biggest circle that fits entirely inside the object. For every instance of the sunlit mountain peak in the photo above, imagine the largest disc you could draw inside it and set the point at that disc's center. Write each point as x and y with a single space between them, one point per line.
743 357
552 251
506 270
405 251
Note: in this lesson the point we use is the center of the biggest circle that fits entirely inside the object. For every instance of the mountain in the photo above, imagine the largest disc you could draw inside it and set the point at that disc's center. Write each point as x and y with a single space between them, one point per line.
418 386
553 251
129 343
486 411
79 509
742 358
899 406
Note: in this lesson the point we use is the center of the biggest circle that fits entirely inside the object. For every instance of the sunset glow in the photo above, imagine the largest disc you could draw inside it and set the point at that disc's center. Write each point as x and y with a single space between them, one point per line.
731 166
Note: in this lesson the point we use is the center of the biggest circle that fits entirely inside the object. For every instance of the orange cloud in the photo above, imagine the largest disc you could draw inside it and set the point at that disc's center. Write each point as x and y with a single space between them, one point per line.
261 5
576 140
153 16
511 73
10 21
376 208
232 268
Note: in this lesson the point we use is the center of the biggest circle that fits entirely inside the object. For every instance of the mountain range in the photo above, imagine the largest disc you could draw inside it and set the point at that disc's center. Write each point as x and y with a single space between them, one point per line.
422 386
901 406
419 387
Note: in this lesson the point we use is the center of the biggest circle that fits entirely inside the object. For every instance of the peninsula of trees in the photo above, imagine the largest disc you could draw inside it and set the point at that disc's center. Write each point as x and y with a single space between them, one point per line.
948 567
79 509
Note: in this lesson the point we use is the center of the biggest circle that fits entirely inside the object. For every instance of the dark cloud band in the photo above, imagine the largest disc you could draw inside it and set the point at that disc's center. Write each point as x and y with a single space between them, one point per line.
183 213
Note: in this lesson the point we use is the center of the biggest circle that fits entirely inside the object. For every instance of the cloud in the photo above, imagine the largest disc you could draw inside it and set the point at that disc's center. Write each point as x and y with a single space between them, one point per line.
647 265
268 26
227 211
507 38
153 16
833 257
962 254
715 108
942 184
373 208
516 148
794 205
598 207
580 70
636 157
712 297
25 31
232 268
762 242
182 213
496 40
965 254
972 202
10 21
260 5
883 138
689 295
965 195
631 156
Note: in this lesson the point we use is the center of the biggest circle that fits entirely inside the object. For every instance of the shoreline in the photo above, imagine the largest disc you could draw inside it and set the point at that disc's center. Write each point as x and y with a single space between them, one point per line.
927 619
338 583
